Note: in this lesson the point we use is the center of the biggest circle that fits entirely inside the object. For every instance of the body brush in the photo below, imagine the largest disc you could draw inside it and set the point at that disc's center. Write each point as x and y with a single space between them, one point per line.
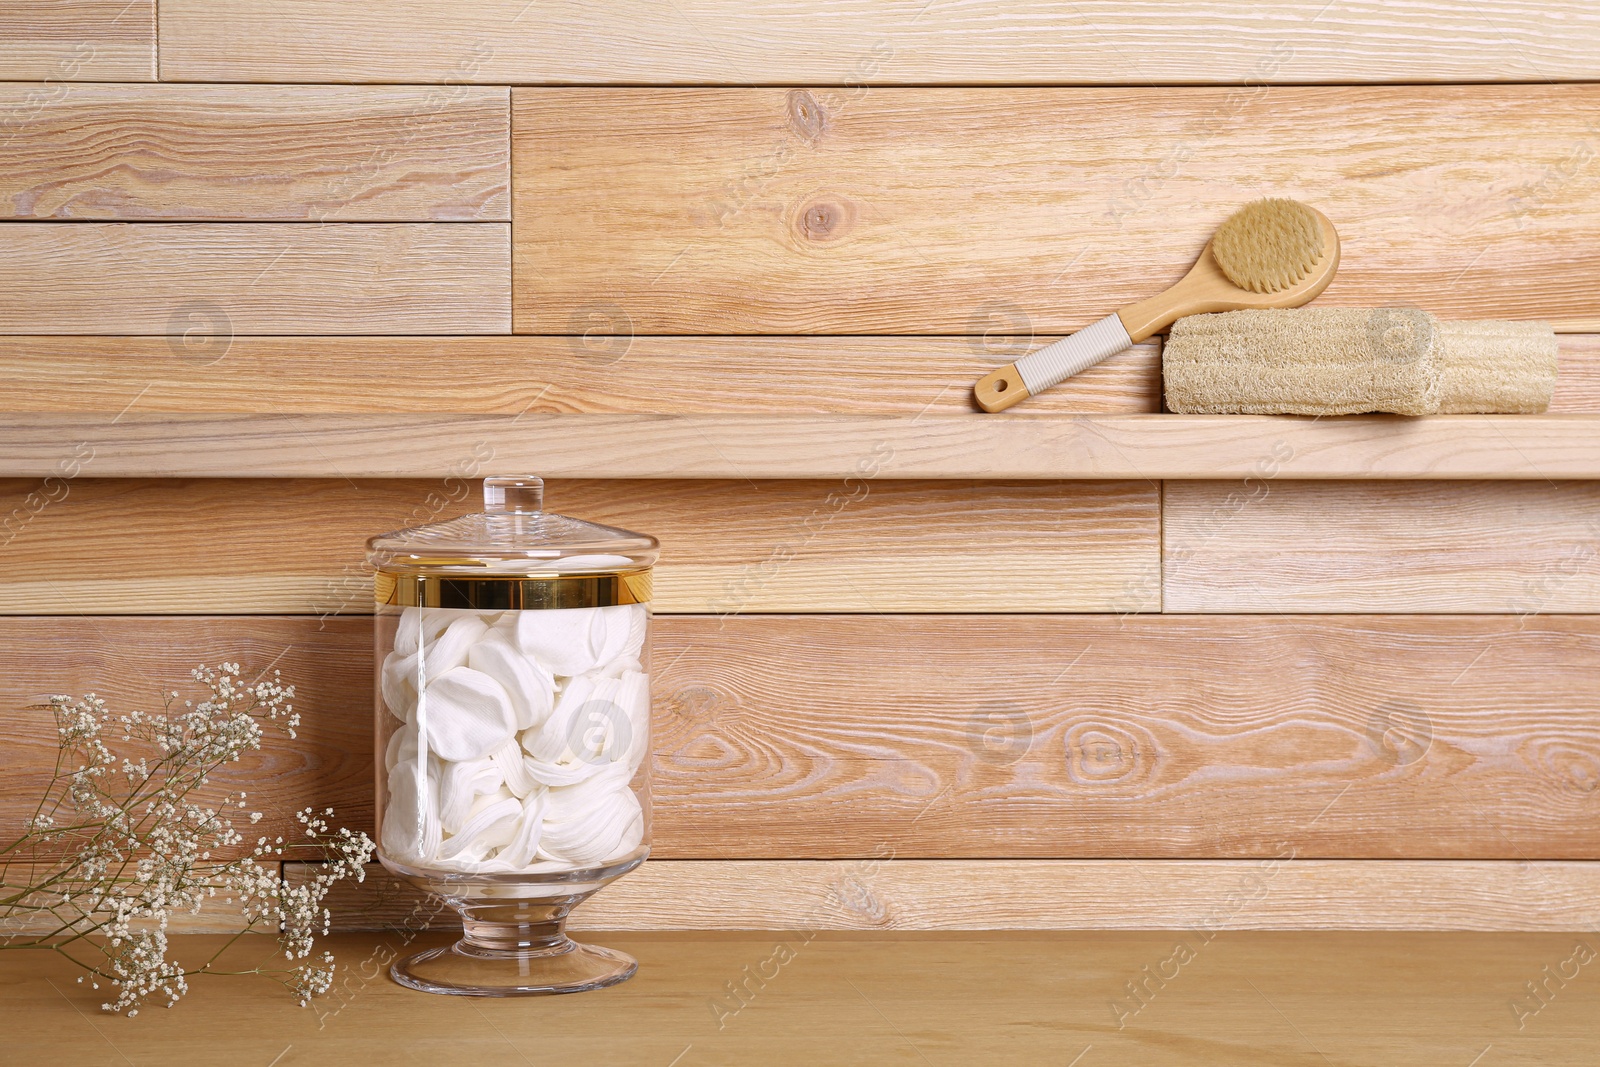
1269 254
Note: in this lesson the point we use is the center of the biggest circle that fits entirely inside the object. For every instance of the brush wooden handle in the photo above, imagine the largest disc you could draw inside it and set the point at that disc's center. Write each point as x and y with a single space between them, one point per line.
1203 290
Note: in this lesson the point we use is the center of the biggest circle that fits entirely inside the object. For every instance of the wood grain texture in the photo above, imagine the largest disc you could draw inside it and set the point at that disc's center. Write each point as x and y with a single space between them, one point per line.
73 40
1093 737
881 893
790 999
924 210
214 546
807 42
1084 447
133 662
1510 548
609 371
1577 374
205 282
258 152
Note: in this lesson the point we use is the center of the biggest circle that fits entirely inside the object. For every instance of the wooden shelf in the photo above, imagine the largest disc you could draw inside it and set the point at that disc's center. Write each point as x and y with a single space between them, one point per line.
1490 896
799 997
805 446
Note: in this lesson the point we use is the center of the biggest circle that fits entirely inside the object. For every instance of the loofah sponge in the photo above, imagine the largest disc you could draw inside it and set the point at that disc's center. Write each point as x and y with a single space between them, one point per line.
1268 245
1491 366
1347 361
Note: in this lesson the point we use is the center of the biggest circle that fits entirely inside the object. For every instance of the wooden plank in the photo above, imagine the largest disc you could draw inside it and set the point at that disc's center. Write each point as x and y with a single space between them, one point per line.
258 152
789 999
1087 737
1084 447
879 893
606 372
132 663
882 893
73 40
209 281
1577 374
185 547
1348 546
860 43
922 210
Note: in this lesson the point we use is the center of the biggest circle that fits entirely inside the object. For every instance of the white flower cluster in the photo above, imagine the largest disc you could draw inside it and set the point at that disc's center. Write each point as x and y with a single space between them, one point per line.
520 733
126 843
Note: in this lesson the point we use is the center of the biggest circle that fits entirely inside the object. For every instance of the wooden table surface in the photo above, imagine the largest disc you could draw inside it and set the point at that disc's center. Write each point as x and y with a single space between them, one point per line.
1325 998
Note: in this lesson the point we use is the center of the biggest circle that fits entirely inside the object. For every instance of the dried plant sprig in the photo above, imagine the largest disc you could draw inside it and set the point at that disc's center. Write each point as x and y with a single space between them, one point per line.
119 843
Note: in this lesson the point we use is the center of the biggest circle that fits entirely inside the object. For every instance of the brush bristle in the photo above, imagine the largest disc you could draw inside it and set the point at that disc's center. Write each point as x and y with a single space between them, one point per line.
1268 245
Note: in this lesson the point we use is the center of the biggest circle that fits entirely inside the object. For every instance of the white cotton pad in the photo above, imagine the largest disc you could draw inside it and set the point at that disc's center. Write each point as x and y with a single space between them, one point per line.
590 823
461 785
620 633
398 682
550 743
468 714
562 640
491 823
421 625
450 649
588 727
523 847
553 774
593 562
598 720
532 688
407 630
513 766
633 697
402 746
411 832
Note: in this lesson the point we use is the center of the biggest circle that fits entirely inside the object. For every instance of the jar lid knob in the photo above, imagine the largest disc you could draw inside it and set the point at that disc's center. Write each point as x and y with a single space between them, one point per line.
517 493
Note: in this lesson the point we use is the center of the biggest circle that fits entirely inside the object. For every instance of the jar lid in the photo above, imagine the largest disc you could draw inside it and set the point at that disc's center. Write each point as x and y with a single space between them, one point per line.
512 554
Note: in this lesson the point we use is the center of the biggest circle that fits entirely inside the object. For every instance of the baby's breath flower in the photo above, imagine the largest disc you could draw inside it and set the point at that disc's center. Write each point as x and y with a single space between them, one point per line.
131 850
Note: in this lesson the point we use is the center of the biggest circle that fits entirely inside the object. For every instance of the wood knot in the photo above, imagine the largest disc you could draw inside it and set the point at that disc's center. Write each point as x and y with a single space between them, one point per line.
825 219
808 119
1106 753
701 704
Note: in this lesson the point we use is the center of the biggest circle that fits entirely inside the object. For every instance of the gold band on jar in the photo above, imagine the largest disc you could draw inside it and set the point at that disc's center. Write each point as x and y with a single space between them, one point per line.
501 593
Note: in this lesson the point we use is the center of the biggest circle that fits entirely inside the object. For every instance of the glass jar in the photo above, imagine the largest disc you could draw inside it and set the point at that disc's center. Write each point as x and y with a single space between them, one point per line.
513 733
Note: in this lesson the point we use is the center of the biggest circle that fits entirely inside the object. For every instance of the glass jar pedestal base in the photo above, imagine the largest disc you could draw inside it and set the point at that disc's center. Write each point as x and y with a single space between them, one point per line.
514 951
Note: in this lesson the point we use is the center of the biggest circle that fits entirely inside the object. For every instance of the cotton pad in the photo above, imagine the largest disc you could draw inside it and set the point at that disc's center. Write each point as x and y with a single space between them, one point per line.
397 682
599 562
513 767
450 649
411 831
418 626
402 746
566 641
407 633
491 823
620 634
531 686
461 785
523 847
468 714
595 722
592 822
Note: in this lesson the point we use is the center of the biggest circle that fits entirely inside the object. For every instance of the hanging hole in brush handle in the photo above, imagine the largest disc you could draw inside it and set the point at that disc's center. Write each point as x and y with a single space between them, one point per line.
1038 371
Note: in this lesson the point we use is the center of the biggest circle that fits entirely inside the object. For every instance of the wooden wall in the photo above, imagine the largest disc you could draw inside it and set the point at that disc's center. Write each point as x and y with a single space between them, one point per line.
282 275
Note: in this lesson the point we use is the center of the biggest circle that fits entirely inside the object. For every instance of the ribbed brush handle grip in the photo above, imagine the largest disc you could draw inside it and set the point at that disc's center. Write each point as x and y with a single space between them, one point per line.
1053 363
